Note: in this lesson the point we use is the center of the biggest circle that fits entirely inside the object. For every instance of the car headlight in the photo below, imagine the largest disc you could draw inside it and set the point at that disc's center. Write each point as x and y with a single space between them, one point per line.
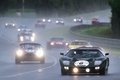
66 62
6 24
43 20
19 53
39 53
13 24
32 38
49 20
21 38
66 44
62 22
18 29
56 21
97 62
52 43
74 19
79 19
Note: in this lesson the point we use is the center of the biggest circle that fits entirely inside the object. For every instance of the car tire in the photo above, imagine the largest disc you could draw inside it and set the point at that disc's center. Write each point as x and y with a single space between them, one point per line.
42 61
17 61
63 72
104 71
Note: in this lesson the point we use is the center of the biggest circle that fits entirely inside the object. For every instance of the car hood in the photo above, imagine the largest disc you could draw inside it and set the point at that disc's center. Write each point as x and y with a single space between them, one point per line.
76 46
83 62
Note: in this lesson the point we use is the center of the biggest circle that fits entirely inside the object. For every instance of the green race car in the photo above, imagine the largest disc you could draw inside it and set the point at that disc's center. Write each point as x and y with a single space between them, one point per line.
84 60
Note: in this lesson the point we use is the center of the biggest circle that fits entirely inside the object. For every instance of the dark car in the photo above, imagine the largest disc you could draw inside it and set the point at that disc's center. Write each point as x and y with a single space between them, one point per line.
22 27
10 25
30 51
40 24
56 43
84 60
78 19
60 21
26 36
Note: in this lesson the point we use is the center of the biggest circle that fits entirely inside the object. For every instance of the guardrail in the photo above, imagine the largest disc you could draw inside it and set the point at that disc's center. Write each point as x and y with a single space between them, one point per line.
103 42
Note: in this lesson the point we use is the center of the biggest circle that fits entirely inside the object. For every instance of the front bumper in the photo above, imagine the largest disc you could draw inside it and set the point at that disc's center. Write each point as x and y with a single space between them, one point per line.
82 70
29 57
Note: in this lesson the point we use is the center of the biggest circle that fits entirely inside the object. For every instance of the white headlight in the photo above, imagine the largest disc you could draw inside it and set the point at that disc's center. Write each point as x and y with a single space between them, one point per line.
19 52
49 20
43 20
6 24
87 70
66 44
32 38
18 29
74 19
75 70
66 62
13 24
97 62
56 21
62 22
21 38
52 43
39 53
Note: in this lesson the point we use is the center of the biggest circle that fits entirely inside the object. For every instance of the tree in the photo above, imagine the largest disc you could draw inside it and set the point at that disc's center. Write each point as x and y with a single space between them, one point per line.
3 6
115 6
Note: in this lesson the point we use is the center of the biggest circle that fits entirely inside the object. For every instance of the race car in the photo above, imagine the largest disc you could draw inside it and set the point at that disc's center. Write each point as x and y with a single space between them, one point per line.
40 23
21 28
84 60
78 19
28 30
30 51
10 25
47 20
79 43
56 43
26 36
95 20
60 21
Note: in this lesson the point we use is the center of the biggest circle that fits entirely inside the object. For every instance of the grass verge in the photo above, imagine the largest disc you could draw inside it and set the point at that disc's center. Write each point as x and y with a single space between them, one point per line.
105 31
64 32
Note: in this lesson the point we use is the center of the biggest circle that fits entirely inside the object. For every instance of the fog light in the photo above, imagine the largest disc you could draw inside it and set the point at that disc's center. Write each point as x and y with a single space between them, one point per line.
97 68
75 70
87 70
67 68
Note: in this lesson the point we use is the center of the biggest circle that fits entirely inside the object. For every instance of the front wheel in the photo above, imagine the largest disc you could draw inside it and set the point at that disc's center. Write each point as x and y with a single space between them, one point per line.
63 72
42 61
17 61
104 71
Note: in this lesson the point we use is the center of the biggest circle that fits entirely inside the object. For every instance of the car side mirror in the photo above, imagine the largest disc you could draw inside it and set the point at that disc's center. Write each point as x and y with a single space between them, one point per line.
62 54
106 54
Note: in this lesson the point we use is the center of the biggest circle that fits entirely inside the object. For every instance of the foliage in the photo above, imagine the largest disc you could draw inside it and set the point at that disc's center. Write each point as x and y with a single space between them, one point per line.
104 31
47 7
115 6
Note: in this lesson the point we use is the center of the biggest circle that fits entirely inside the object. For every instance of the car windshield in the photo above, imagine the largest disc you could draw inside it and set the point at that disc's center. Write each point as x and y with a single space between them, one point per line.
30 46
54 39
84 53
60 19
79 43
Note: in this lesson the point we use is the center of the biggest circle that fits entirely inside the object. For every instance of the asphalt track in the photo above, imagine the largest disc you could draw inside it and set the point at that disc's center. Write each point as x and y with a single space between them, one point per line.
51 69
